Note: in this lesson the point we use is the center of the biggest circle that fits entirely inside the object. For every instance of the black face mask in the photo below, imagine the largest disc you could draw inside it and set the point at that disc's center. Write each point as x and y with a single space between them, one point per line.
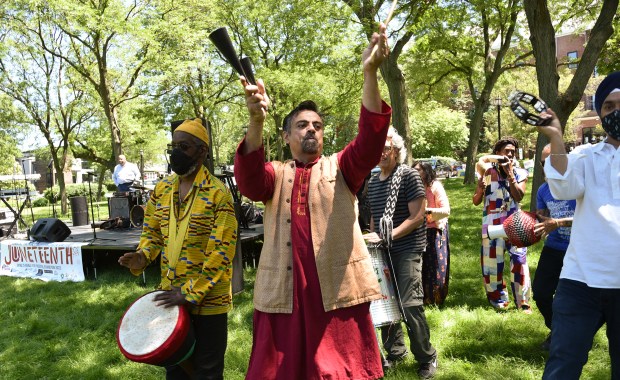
611 124
181 163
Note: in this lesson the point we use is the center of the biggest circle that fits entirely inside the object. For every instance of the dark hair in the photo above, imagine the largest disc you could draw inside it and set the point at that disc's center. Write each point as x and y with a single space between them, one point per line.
306 105
503 142
427 174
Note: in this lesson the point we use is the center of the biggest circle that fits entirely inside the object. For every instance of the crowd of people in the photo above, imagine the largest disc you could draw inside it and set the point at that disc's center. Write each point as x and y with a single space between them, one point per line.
316 279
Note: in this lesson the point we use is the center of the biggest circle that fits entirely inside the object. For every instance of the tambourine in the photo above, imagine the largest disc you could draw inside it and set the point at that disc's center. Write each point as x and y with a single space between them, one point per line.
517 101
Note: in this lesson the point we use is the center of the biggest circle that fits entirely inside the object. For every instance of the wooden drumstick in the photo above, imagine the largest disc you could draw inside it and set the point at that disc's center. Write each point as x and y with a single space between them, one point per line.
387 21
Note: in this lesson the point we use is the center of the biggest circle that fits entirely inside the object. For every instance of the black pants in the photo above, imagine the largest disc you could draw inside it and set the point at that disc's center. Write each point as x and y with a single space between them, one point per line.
408 273
208 358
546 281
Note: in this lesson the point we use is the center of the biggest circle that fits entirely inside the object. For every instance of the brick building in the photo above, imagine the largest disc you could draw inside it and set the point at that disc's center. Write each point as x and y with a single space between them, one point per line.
569 50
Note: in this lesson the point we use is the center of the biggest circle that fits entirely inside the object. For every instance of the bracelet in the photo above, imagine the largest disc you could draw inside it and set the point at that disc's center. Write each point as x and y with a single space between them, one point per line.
557 224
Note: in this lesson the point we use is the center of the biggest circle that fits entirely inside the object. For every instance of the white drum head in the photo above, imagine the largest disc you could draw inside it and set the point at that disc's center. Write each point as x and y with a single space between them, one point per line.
145 326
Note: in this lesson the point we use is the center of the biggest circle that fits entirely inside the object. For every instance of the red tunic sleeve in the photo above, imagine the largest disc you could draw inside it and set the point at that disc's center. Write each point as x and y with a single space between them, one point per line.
255 178
362 154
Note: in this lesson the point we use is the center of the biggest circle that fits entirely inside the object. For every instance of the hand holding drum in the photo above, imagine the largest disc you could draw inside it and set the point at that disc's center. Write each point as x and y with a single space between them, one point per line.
170 298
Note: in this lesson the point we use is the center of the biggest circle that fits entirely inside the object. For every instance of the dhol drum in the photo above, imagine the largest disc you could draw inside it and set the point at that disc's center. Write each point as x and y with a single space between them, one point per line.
384 311
136 216
152 334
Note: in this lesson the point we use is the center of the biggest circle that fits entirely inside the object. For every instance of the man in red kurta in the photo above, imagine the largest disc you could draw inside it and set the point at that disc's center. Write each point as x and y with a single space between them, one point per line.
315 279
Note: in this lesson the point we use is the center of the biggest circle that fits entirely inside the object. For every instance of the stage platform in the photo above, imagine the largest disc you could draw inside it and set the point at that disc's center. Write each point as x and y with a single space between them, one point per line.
120 240
127 239
116 242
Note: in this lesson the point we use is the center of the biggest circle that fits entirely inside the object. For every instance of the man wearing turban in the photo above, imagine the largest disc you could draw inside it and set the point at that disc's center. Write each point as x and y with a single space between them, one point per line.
190 220
588 293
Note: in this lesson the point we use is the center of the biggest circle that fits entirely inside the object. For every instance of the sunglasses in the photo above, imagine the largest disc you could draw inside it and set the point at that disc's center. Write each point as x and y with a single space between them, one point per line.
183 146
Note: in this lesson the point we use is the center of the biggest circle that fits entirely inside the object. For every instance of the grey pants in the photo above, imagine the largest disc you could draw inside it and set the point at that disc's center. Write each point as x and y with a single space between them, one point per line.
408 273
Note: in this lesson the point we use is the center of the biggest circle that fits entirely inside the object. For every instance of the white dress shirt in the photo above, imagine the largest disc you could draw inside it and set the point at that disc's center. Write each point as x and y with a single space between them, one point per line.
126 173
593 179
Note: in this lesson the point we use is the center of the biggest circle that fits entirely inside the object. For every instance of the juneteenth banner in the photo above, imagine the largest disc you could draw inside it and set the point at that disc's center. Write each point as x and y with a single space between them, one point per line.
40 260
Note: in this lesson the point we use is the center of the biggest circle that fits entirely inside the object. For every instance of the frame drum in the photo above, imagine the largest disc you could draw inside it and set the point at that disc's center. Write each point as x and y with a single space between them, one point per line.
152 334
384 311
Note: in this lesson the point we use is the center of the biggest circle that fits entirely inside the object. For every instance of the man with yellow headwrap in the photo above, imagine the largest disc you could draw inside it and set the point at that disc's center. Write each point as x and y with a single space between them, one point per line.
190 220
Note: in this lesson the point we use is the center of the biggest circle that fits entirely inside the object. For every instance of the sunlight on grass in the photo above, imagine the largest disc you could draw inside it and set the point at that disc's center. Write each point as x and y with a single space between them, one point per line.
67 330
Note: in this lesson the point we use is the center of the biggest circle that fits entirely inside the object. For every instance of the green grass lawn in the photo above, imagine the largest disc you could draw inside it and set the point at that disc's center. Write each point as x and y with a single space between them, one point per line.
67 330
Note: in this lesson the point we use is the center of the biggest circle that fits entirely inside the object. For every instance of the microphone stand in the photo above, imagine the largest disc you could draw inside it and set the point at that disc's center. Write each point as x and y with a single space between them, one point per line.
92 212
28 200
51 184
92 223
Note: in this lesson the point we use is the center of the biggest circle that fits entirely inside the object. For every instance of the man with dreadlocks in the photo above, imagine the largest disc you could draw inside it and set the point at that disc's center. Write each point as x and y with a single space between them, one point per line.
501 187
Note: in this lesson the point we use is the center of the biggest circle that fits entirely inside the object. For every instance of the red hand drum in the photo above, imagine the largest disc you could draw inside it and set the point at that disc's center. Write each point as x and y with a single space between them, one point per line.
156 335
518 228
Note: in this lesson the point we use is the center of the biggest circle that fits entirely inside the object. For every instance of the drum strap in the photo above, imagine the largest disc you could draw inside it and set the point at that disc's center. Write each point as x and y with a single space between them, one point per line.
385 223
176 236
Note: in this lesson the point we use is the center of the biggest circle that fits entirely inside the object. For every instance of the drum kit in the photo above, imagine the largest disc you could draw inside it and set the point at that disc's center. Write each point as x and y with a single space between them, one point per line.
130 205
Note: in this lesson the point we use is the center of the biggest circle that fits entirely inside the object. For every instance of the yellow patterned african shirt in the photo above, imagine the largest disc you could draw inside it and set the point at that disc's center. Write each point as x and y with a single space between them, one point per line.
204 266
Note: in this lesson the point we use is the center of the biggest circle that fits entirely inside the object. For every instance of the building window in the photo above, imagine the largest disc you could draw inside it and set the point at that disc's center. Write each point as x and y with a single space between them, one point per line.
588 103
572 57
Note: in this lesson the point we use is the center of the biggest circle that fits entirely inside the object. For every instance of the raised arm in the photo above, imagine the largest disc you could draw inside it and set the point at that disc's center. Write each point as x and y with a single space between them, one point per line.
254 177
371 97
479 192
557 157
257 102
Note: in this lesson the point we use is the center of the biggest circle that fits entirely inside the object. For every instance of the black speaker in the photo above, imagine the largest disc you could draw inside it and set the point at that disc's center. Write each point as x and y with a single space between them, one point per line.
50 230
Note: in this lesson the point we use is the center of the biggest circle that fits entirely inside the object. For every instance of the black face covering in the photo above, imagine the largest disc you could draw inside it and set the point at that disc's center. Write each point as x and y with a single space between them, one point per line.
611 124
180 162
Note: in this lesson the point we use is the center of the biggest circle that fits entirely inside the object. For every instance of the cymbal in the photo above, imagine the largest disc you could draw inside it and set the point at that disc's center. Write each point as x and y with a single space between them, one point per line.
138 187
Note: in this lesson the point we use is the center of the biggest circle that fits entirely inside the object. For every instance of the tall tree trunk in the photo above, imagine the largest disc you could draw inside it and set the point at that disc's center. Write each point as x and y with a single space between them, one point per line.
115 132
395 81
475 128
